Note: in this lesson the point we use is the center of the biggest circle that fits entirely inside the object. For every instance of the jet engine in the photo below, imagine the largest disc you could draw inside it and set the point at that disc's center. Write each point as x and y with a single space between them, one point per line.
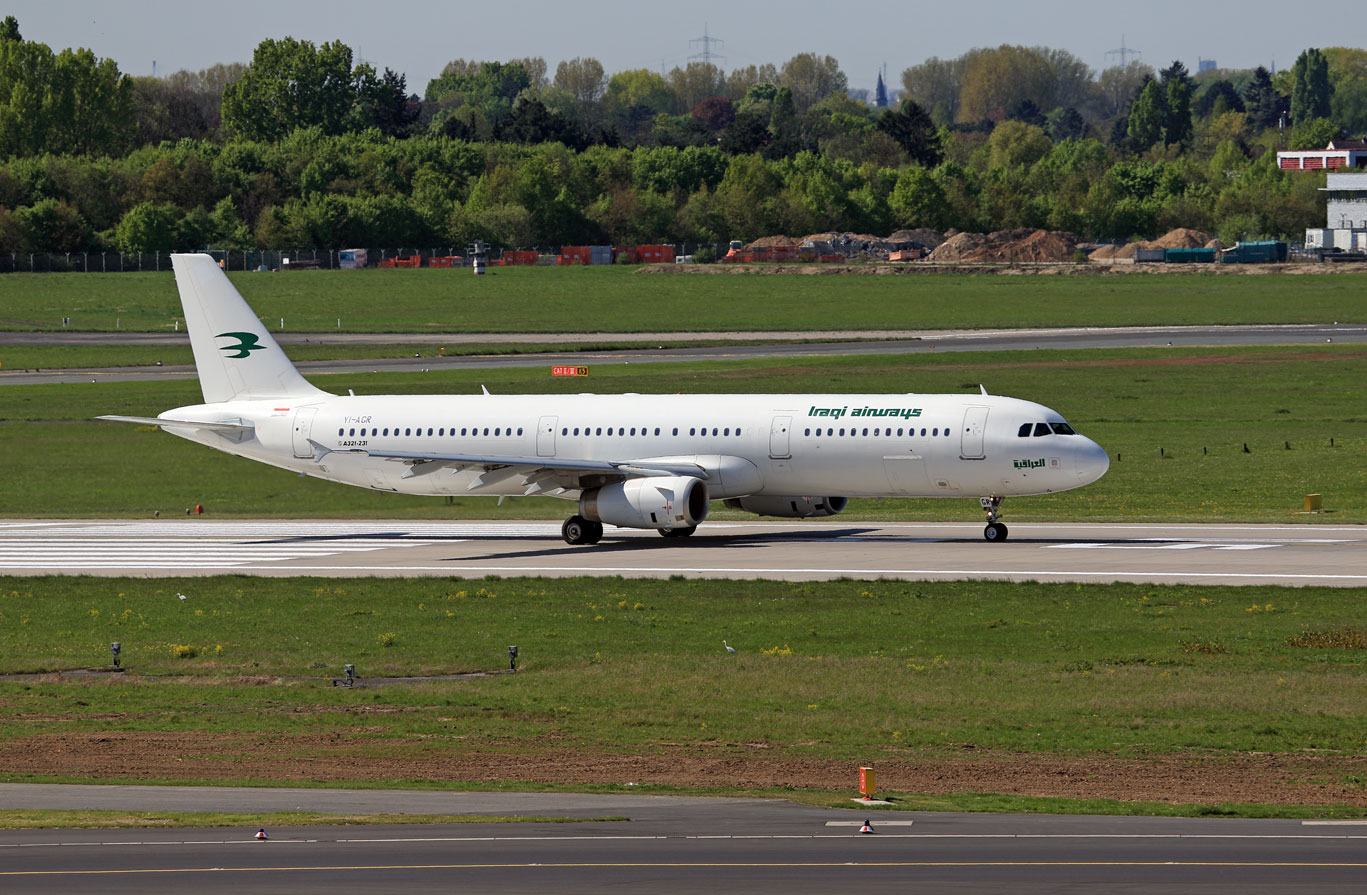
788 507
665 502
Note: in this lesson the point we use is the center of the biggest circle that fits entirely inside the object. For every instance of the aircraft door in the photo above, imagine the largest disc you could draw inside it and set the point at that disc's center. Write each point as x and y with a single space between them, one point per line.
975 424
778 437
303 425
545 436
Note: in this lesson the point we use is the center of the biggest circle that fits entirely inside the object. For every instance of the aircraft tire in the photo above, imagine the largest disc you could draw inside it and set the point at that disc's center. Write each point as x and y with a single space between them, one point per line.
577 530
995 532
678 532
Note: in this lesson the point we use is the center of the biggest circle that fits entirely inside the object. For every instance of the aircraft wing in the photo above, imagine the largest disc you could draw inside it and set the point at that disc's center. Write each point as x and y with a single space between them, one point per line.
540 474
180 424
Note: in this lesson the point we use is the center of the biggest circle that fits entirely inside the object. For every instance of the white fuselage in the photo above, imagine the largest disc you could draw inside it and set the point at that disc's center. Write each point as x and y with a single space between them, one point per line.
836 445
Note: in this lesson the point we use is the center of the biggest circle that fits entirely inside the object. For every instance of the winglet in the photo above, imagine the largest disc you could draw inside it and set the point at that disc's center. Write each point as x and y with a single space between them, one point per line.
983 389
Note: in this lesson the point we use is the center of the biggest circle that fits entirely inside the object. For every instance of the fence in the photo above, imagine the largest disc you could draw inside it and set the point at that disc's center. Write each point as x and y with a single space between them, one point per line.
299 259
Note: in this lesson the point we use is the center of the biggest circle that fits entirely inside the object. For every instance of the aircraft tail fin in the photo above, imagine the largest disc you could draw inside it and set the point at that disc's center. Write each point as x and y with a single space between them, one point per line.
234 353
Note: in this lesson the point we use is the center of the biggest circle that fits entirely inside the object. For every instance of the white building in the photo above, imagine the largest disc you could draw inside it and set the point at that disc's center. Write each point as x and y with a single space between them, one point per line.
1339 154
1346 227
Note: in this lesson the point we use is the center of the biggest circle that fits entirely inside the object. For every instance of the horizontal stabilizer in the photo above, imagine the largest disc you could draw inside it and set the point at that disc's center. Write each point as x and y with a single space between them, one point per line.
164 423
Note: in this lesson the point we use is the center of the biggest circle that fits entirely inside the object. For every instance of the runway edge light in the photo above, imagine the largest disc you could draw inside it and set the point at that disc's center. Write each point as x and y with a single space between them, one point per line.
261 834
867 827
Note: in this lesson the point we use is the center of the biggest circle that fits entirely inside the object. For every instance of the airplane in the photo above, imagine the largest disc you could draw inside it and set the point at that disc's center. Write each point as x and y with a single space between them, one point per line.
631 460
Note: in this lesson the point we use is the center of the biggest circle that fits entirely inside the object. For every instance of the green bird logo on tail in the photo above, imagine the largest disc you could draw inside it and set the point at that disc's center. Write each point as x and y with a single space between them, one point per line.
246 344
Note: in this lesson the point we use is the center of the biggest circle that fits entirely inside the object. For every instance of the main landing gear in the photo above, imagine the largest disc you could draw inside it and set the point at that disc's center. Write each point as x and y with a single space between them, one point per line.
995 531
678 532
578 530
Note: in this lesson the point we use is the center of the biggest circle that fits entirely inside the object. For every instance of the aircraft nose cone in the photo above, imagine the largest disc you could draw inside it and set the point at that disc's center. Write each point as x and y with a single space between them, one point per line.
1093 462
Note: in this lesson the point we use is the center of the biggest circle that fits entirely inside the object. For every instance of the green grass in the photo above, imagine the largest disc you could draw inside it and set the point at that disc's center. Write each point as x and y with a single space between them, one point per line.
1175 423
844 670
620 300
66 357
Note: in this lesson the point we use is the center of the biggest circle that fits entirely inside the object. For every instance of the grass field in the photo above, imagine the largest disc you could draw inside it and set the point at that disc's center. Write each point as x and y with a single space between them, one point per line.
620 300
66 357
840 670
1175 423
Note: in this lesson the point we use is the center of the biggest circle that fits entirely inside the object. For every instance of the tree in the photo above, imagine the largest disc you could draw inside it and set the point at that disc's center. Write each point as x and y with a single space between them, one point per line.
715 113
913 130
1025 110
1118 86
1065 124
388 106
9 29
148 227
292 84
65 103
53 226
583 78
1177 123
694 83
1146 117
811 78
936 82
1262 102
993 80
1310 91
1218 98
490 88
918 200
748 132
1015 143
1176 85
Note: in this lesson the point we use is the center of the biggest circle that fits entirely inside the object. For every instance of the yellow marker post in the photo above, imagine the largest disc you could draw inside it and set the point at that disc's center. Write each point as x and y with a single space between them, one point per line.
866 782
1313 503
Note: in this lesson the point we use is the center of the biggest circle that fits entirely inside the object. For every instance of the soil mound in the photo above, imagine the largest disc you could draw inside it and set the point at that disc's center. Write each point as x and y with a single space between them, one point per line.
1005 246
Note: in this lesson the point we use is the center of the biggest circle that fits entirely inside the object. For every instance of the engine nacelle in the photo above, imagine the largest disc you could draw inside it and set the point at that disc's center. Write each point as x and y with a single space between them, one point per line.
788 507
652 502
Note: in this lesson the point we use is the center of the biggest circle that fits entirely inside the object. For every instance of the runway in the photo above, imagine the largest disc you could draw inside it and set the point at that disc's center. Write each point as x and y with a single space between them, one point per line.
771 345
665 844
810 550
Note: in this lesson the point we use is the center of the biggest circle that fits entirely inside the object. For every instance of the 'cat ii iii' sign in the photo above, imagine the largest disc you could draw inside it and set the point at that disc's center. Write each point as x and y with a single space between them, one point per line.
569 371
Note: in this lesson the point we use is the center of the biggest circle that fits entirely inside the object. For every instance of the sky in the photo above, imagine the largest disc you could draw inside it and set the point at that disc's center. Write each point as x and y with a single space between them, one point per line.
418 37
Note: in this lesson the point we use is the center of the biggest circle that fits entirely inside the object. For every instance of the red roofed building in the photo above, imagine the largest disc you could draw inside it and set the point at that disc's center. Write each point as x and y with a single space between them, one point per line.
1339 155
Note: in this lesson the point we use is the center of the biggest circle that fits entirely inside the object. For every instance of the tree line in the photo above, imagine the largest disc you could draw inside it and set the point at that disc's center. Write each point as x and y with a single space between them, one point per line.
303 148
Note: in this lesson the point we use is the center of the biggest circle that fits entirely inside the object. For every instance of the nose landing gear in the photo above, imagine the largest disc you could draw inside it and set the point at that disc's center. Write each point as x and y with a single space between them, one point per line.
995 531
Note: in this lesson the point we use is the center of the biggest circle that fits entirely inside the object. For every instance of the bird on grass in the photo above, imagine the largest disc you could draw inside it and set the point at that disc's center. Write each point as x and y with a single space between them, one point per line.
729 648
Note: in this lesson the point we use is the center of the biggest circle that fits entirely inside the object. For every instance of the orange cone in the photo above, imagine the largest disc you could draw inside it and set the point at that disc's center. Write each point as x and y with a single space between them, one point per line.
866 828
261 833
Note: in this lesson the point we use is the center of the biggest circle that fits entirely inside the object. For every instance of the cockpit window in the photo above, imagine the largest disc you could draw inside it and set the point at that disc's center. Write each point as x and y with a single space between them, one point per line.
1025 430
1041 429
1062 429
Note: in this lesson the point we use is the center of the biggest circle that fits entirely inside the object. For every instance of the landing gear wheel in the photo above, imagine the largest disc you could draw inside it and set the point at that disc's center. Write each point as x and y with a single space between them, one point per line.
578 530
678 532
994 532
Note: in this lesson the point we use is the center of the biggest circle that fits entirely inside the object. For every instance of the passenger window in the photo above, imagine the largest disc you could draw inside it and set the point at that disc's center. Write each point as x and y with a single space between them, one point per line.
386 431
676 430
341 432
934 432
462 431
1041 429
866 432
692 430
806 431
408 431
519 430
842 432
726 431
657 430
738 433
609 430
923 431
353 434
714 431
576 430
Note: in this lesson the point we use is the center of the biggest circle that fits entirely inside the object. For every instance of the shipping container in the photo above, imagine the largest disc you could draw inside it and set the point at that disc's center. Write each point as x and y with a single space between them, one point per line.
519 258
351 259
1148 255
652 254
1189 256
1263 252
